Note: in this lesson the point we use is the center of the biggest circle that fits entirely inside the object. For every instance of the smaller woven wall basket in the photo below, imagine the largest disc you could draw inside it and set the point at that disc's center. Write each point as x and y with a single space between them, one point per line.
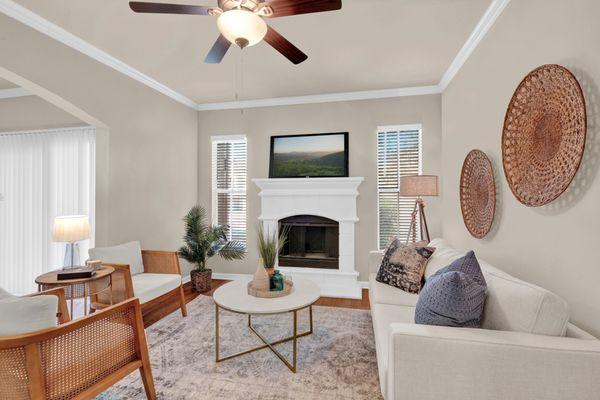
544 135
477 193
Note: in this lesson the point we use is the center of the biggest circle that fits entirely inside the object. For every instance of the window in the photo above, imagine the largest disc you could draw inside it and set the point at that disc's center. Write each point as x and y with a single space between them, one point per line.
229 170
398 154
43 174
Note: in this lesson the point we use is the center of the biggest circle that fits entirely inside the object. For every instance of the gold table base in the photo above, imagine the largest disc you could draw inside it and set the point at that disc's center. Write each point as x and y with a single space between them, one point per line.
267 344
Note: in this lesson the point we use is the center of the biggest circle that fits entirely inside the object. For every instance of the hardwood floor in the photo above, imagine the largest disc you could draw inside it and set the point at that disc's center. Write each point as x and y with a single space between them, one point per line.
160 310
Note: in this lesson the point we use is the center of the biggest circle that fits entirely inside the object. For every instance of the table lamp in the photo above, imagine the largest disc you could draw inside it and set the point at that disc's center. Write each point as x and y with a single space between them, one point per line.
418 186
71 229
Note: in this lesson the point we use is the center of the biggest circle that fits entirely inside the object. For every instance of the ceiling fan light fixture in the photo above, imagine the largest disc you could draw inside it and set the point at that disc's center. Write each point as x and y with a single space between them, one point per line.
242 27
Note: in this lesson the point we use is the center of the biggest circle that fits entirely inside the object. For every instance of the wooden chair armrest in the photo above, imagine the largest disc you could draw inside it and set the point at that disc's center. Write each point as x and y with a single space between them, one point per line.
63 310
160 262
122 287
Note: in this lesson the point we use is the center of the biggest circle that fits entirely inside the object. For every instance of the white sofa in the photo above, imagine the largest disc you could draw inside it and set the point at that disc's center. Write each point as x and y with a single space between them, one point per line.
526 349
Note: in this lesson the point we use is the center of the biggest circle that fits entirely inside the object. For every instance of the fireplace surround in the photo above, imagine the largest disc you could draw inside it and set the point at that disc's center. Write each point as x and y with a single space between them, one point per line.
331 200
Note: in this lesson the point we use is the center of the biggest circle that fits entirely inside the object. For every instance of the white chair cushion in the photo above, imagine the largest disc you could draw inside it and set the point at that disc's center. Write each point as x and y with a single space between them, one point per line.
128 253
383 315
147 287
511 304
380 293
19 315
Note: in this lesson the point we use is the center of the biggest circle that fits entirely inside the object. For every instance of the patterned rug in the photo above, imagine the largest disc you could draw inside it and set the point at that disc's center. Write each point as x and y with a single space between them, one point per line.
336 362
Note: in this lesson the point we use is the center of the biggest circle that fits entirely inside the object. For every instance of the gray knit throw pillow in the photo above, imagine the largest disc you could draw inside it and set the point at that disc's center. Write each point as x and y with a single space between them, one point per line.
453 296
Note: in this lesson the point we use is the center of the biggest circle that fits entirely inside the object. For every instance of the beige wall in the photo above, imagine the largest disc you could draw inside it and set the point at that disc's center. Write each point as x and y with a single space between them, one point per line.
552 246
150 166
32 112
360 119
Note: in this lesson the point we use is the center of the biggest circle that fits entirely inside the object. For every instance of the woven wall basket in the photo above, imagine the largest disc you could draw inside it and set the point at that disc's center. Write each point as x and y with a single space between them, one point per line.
544 135
477 193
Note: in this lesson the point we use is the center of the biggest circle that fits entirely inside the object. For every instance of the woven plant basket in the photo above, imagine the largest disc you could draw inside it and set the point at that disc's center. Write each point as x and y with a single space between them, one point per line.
201 280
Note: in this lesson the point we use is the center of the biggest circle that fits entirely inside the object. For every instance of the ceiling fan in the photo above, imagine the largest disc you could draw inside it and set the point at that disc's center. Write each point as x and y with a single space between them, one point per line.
242 22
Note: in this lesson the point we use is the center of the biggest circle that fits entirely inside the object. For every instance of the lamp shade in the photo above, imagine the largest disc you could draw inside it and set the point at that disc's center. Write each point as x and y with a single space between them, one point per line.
71 228
242 27
419 185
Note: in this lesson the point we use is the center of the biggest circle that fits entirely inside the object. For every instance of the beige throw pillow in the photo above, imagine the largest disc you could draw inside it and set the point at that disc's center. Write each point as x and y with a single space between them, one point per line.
403 265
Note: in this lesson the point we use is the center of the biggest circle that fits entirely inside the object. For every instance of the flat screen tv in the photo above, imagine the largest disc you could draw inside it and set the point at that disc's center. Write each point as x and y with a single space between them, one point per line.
322 155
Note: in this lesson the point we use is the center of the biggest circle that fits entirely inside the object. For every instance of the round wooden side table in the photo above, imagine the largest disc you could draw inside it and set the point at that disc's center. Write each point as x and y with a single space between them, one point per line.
82 288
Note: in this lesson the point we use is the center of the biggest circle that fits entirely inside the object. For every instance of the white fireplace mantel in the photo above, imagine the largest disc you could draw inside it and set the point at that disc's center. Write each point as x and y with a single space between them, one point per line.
333 198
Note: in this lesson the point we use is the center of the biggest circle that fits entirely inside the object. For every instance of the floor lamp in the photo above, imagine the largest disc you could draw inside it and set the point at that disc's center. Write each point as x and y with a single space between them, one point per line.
418 186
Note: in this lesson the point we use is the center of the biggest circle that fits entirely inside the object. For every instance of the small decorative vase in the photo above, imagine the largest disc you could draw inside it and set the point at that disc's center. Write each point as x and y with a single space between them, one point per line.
277 282
201 280
270 271
261 279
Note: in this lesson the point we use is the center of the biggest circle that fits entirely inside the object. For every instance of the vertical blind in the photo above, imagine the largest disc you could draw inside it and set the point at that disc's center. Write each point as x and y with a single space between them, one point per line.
229 171
43 174
398 155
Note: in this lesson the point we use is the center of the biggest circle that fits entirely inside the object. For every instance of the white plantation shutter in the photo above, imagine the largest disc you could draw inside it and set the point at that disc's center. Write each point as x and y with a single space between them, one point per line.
229 171
398 154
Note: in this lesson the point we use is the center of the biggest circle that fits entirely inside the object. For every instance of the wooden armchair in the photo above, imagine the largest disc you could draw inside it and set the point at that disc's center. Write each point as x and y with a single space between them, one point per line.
76 359
160 281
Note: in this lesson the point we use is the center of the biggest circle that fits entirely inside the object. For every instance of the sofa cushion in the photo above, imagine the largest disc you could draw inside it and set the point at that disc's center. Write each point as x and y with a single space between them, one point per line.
127 253
454 296
383 315
511 304
380 293
443 256
147 287
403 265
19 315
516 305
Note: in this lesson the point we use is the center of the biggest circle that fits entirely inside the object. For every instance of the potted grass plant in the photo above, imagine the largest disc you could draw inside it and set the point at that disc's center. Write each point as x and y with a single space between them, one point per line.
269 246
203 241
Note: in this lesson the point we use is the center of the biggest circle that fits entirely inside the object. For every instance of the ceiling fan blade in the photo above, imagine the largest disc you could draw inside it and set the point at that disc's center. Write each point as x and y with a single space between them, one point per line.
283 46
283 8
165 8
217 52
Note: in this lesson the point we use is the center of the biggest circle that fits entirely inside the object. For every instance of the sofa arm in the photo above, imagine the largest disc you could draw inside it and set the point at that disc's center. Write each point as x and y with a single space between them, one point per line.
375 260
431 362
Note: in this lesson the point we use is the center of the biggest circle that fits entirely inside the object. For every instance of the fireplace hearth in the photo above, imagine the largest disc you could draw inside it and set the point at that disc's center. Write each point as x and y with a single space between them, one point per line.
313 242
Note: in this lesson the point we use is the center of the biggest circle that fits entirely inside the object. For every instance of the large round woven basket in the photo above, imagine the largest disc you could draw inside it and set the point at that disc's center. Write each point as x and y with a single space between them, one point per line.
544 135
477 193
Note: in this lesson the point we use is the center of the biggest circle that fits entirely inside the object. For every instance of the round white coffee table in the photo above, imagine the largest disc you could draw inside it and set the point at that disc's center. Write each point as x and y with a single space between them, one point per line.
234 297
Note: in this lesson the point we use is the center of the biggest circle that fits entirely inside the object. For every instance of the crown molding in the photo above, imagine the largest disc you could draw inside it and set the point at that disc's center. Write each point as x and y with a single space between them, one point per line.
321 98
14 92
481 29
42 25
34 21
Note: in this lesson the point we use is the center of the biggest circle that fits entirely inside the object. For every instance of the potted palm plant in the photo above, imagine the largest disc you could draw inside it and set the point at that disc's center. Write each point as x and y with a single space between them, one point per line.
203 241
269 247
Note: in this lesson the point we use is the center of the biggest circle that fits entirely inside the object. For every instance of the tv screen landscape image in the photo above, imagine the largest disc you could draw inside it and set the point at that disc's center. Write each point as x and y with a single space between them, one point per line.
309 156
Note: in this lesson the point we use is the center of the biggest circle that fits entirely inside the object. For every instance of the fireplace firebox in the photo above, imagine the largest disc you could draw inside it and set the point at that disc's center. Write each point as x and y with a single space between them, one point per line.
313 242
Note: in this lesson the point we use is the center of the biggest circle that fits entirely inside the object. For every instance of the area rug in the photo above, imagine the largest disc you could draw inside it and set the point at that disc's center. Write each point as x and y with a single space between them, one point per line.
336 362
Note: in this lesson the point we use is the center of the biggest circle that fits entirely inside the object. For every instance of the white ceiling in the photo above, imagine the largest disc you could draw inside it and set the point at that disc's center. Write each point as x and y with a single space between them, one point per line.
368 45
